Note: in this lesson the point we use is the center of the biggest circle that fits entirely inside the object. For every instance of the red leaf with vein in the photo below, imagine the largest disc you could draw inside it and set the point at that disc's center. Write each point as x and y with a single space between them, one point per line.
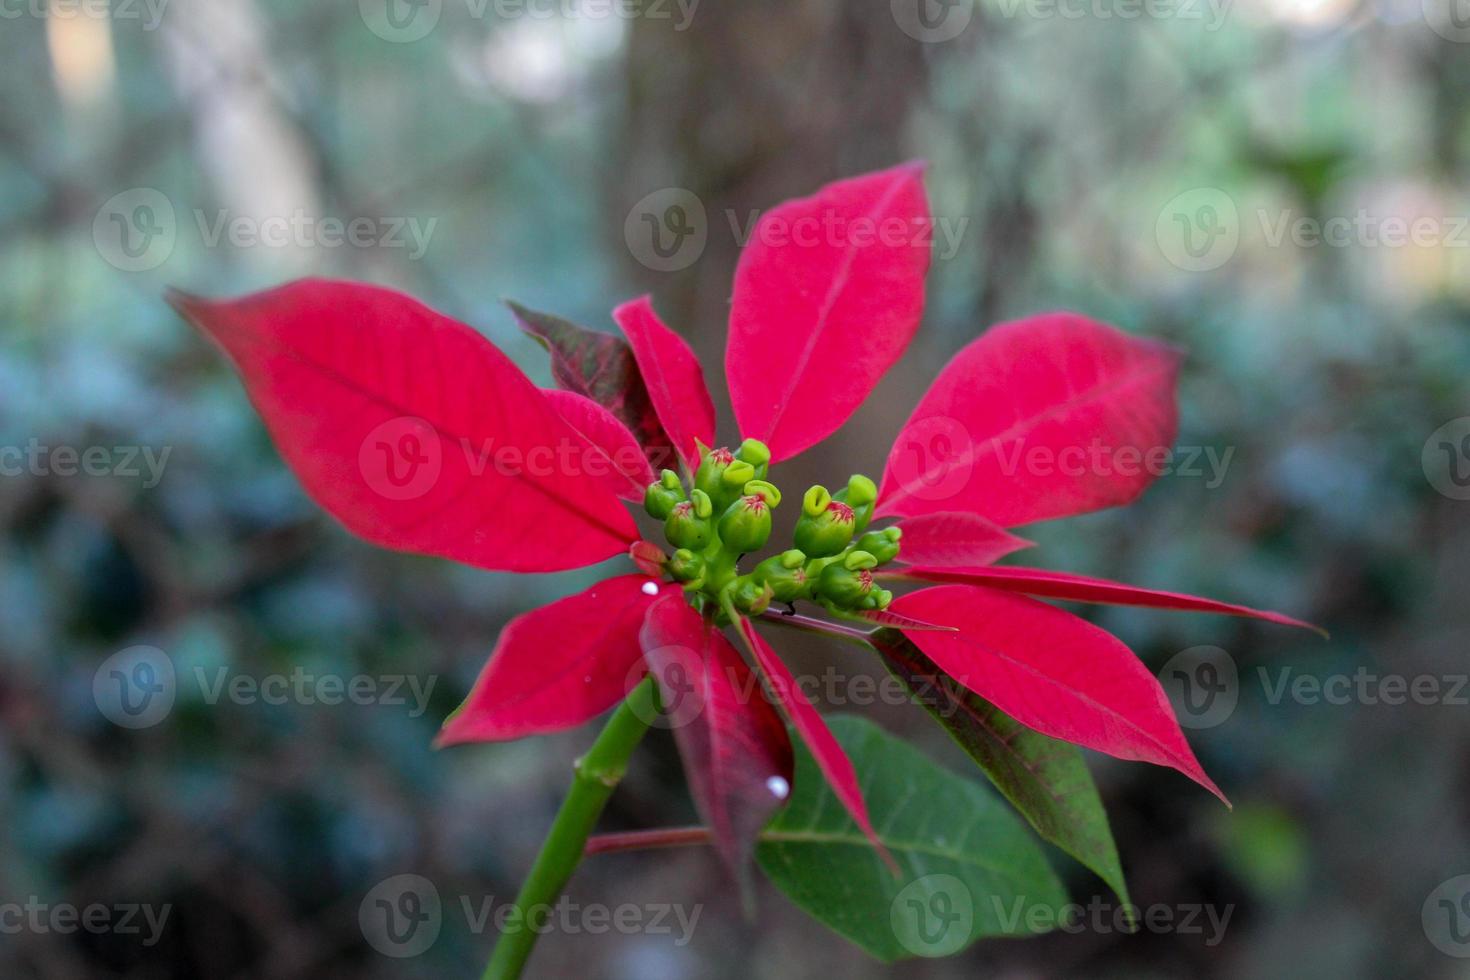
1082 588
1053 672
887 617
804 717
949 538
674 378
557 666
412 429
827 295
600 366
619 461
733 743
1044 417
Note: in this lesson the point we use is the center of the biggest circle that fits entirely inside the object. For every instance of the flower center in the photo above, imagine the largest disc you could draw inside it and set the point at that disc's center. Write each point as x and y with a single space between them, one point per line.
724 514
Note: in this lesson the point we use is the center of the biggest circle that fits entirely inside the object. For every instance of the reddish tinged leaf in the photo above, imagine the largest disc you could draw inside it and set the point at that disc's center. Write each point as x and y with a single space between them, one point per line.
736 753
412 429
948 538
804 717
601 367
1045 779
557 666
674 378
827 295
649 558
1082 588
1053 672
616 458
1044 417
887 617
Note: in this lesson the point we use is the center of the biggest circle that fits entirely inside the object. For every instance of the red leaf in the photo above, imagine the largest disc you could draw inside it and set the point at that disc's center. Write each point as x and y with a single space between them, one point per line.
1053 672
827 295
412 429
601 367
649 558
947 538
735 748
674 378
558 666
1044 417
830 757
615 457
1081 588
887 617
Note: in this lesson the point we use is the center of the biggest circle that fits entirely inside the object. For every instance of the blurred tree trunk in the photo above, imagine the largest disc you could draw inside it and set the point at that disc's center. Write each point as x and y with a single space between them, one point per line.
750 104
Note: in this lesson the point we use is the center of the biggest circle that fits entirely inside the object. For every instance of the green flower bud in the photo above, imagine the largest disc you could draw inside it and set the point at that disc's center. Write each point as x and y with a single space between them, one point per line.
688 524
881 598
763 489
737 474
827 532
882 545
857 560
815 500
749 595
861 494
844 587
746 524
757 454
686 566
710 477
785 574
660 497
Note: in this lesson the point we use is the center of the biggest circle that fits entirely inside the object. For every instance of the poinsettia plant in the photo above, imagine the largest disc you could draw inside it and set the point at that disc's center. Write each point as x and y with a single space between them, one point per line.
420 435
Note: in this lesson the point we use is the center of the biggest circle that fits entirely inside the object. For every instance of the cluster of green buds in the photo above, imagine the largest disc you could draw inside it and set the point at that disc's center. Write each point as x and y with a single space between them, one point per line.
726 515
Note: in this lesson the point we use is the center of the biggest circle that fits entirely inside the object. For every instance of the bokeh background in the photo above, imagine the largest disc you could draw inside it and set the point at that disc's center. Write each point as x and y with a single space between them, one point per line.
1277 185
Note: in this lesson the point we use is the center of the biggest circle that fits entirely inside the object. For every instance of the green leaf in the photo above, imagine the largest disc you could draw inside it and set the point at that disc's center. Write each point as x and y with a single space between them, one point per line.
1044 778
600 366
968 867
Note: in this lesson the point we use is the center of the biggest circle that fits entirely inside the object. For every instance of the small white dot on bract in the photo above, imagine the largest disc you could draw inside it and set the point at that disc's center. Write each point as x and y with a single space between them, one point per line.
650 588
779 787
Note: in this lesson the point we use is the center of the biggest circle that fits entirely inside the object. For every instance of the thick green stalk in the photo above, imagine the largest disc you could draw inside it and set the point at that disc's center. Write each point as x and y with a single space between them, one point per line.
596 775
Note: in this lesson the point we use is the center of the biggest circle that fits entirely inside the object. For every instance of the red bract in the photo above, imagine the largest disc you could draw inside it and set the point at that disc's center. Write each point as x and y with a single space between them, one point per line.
418 434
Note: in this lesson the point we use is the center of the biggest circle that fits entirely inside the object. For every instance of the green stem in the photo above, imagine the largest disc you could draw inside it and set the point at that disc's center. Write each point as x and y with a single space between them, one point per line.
596 775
